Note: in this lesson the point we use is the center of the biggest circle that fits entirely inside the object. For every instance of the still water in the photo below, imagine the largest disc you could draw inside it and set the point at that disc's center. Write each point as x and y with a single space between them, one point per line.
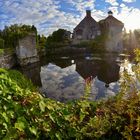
69 78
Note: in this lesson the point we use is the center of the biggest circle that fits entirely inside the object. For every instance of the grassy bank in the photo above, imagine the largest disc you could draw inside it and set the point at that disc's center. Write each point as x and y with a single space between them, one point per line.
25 114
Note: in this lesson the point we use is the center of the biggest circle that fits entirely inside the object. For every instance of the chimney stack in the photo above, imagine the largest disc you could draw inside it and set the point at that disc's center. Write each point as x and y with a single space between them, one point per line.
88 13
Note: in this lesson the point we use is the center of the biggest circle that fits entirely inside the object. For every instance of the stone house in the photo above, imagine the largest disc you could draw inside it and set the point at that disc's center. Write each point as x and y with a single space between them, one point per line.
113 27
88 29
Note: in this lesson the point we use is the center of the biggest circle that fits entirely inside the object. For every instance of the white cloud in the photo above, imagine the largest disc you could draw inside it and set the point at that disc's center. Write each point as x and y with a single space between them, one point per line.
129 1
112 2
81 5
114 9
122 5
130 17
47 16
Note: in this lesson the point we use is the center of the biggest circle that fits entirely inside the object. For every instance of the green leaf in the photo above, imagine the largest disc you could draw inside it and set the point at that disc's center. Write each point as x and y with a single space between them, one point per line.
21 123
5 116
33 130
42 105
20 126
82 116
58 135
52 117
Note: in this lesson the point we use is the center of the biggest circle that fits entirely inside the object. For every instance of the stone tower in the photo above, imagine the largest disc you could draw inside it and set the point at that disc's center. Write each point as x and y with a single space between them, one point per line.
113 28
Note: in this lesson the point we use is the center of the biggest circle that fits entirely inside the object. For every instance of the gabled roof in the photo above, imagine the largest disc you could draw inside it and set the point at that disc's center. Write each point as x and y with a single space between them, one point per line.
112 20
87 20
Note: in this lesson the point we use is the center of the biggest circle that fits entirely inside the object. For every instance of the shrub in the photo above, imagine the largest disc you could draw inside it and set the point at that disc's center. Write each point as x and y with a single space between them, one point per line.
25 114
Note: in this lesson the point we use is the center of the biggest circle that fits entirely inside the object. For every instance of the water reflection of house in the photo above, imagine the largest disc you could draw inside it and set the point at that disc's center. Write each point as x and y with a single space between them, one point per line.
108 72
62 63
87 68
88 29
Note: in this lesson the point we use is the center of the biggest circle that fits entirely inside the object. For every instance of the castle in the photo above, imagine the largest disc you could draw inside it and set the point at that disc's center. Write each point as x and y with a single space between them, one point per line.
88 29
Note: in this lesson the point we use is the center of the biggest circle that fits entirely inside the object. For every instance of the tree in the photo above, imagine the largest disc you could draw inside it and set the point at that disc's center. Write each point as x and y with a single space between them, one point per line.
1 43
58 38
41 41
13 33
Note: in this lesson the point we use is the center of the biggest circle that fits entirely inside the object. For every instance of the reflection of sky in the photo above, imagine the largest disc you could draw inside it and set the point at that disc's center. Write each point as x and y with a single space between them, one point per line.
106 92
66 84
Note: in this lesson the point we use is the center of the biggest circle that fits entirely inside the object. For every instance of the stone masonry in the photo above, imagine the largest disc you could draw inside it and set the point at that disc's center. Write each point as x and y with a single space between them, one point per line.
26 50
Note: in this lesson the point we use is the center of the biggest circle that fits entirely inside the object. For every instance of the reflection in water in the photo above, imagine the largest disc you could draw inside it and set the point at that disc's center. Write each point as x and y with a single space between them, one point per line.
61 84
108 72
97 77
66 79
32 71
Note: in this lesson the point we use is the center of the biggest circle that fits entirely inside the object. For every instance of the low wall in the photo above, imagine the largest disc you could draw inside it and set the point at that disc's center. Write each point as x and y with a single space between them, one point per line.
8 61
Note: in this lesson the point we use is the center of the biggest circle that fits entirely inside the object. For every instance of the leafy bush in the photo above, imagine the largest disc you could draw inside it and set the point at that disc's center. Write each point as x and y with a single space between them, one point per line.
83 44
10 36
98 44
59 38
1 51
1 43
25 114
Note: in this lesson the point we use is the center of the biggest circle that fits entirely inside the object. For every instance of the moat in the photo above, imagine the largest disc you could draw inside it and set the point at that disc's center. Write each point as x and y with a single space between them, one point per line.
66 78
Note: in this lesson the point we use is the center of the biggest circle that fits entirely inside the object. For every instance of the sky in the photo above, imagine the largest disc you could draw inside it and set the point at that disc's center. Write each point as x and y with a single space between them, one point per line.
49 15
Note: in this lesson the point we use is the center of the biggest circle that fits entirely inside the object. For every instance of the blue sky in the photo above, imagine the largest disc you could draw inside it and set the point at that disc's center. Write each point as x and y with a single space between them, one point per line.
49 15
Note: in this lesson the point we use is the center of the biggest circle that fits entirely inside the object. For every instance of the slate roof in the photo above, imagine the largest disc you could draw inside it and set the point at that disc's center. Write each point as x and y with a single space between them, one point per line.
87 20
112 20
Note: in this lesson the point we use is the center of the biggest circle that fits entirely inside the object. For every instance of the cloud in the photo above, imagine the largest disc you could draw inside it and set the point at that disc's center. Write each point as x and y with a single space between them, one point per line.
81 5
114 9
130 16
112 2
129 1
40 11
49 15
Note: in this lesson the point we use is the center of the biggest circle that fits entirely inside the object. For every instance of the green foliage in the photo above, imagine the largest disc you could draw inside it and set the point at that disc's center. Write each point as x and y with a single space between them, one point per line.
25 114
98 44
83 44
41 41
1 43
1 51
58 35
58 38
10 35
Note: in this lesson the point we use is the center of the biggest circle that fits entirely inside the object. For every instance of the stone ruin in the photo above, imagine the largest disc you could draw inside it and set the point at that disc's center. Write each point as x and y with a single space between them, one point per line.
26 50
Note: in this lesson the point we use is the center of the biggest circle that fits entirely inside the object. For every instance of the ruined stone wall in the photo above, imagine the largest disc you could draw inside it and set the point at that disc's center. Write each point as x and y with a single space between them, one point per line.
26 50
8 61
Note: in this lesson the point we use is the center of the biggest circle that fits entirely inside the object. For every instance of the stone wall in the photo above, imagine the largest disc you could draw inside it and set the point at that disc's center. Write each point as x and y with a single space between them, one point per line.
8 61
26 50
114 41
